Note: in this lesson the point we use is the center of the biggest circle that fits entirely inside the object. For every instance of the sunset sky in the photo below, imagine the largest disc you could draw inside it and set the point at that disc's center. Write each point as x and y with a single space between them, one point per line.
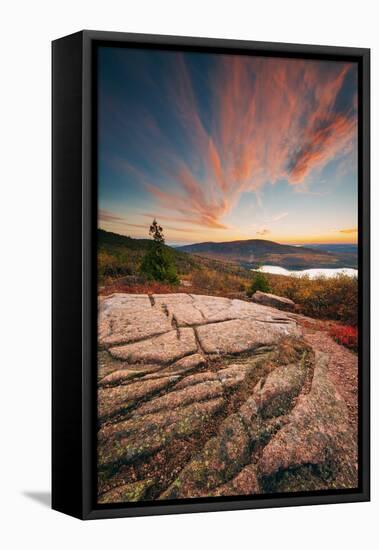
221 147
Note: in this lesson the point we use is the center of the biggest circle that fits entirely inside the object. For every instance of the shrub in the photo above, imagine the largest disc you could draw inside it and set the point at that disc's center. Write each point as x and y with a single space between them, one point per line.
259 282
335 298
218 282
158 265
345 335
109 266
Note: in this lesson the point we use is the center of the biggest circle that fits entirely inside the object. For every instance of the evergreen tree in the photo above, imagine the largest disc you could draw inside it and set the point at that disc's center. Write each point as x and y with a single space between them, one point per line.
259 282
156 231
158 263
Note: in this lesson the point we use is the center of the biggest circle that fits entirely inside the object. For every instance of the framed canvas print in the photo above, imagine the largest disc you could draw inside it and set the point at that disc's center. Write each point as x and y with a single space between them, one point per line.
210 274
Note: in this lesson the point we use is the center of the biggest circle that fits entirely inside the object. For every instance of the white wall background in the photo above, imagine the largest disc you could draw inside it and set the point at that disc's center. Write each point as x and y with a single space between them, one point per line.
26 31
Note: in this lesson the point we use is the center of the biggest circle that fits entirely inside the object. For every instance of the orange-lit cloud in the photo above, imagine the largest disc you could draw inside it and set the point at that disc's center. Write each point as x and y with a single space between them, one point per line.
349 231
108 218
270 119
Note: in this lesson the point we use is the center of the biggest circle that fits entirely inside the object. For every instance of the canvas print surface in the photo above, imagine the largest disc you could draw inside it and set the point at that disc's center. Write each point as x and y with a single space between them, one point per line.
227 275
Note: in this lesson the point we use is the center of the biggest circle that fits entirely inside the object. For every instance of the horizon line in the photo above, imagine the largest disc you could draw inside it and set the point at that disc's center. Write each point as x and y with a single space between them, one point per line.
290 243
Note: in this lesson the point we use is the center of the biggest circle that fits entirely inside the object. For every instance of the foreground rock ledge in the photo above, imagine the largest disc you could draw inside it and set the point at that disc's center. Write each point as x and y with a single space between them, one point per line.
206 396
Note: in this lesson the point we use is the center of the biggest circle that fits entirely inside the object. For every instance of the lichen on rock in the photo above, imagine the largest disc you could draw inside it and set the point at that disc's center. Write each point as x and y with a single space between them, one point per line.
203 396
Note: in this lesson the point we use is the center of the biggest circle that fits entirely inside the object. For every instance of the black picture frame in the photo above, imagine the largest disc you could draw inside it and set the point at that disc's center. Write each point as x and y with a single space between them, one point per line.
74 206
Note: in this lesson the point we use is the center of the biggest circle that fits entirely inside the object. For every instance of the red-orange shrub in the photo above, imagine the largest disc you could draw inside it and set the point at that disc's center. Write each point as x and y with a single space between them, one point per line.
345 335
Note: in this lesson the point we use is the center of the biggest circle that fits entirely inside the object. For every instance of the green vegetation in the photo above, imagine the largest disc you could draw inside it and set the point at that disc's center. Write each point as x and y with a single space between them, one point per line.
335 298
158 263
129 265
120 256
259 282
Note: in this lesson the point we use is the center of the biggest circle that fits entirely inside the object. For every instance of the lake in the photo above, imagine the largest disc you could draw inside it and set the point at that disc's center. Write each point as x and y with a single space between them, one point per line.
312 273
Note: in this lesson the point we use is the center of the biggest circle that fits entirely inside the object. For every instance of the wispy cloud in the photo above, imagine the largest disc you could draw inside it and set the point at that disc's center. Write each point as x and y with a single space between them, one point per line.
264 228
269 120
263 232
279 217
352 230
107 217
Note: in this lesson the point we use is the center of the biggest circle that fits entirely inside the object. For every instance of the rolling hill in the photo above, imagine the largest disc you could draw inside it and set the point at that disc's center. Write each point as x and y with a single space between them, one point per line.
119 255
249 253
119 261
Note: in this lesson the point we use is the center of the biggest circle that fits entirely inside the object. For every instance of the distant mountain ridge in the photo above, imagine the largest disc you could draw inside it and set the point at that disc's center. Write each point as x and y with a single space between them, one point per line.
251 252
235 254
339 248
121 255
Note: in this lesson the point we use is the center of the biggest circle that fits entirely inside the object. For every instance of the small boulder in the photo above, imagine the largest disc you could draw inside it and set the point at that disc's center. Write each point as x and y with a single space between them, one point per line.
271 300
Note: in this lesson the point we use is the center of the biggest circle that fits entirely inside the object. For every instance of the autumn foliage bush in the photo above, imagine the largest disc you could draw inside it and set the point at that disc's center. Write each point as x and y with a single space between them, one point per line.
111 266
345 335
130 263
334 298
212 281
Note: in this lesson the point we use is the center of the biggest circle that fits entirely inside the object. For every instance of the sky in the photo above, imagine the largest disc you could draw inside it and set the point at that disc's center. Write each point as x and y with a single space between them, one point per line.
227 147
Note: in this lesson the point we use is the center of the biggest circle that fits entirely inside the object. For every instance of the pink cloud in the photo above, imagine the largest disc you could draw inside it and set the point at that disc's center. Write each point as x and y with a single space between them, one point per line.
107 217
273 119
352 230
